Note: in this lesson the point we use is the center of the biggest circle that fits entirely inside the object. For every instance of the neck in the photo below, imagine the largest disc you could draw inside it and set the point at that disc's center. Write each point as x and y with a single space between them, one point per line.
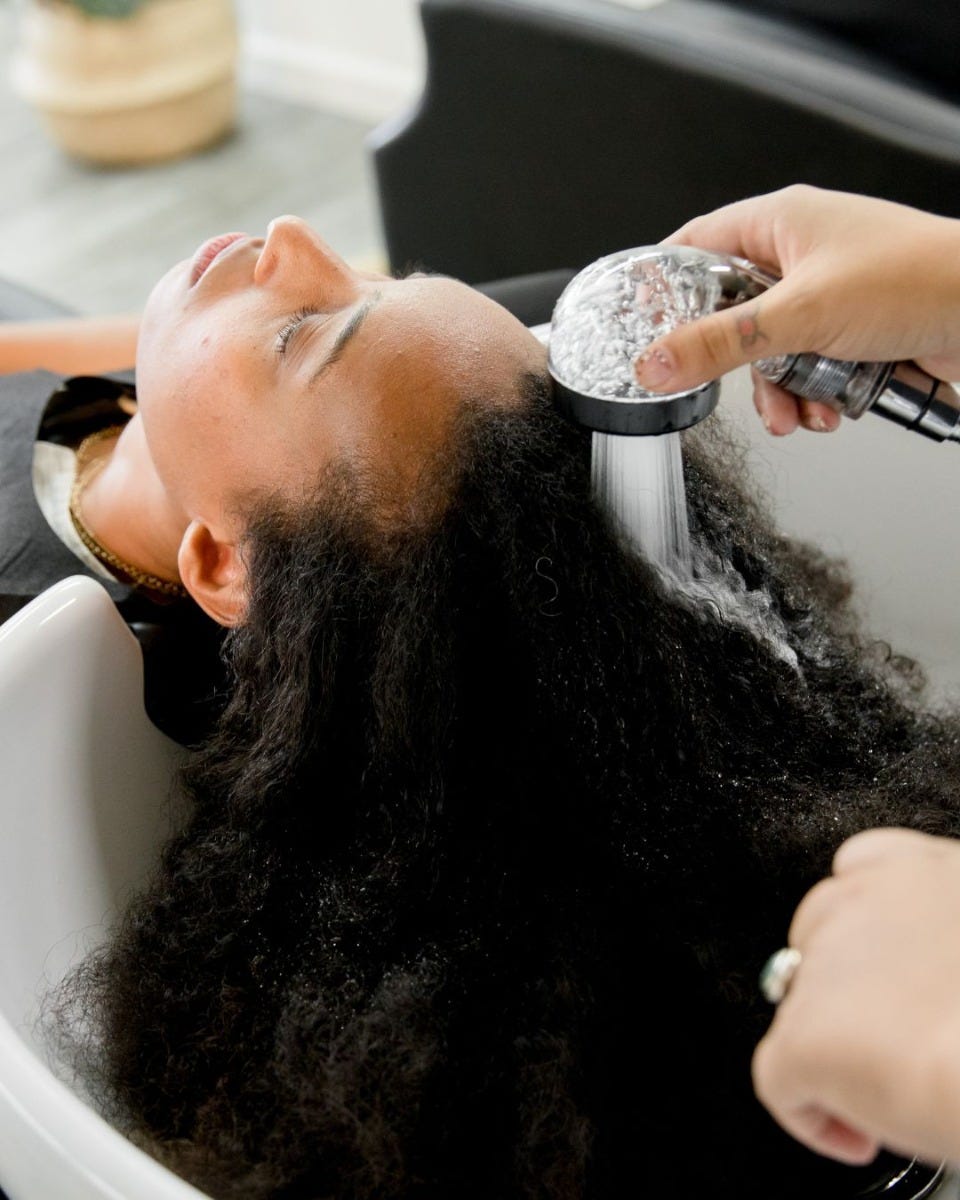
129 512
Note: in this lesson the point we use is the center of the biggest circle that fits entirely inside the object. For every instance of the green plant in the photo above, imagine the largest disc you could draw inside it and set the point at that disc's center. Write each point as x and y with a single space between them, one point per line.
108 8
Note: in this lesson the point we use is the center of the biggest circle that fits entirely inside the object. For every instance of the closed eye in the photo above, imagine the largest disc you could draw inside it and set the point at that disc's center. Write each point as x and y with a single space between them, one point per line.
291 327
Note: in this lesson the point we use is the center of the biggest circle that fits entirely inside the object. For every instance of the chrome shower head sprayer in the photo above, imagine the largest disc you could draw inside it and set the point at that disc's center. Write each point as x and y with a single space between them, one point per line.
609 314
612 310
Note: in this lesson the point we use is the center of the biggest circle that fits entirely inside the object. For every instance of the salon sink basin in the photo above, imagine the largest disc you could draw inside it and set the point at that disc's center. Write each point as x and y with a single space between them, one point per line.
86 802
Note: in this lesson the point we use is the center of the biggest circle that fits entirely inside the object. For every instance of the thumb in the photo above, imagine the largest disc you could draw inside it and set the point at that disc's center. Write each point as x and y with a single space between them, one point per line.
702 350
778 1079
825 1134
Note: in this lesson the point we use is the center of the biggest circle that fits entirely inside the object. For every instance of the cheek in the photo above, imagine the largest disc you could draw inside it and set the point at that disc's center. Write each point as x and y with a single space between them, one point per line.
198 427
201 384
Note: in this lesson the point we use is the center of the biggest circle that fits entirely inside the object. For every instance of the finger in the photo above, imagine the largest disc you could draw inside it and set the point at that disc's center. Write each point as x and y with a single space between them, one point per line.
746 228
781 411
874 846
826 1134
817 417
778 409
944 367
835 1138
815 908
784 1094
733 229
705 349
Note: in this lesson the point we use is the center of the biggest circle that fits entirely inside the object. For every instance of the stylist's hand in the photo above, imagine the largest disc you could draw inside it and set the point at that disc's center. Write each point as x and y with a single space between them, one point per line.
864 1051
862 279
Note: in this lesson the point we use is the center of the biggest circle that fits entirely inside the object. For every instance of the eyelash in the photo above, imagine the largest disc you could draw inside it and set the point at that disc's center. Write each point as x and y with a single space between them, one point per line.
287 332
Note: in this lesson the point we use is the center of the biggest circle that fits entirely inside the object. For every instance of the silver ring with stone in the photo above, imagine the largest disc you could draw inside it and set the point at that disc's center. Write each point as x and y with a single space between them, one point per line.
777 974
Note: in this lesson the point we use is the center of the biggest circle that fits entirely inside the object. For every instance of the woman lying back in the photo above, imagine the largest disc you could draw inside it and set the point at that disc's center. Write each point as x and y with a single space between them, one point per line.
497 828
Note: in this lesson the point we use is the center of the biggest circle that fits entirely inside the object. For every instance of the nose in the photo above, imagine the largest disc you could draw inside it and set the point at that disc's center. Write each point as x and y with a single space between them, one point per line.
293 251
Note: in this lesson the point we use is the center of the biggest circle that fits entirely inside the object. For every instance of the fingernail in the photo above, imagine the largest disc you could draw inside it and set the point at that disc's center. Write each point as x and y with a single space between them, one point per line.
654 367
766 422
820 424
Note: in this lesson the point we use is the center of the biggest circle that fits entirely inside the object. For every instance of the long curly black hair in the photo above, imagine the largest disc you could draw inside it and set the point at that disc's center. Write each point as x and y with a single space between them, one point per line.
491 843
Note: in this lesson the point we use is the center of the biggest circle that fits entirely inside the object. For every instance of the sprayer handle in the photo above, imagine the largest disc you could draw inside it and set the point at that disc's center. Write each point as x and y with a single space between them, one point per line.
917 400
901 392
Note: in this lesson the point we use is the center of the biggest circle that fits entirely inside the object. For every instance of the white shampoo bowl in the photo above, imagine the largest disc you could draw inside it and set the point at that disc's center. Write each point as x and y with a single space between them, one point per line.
85 783
84 798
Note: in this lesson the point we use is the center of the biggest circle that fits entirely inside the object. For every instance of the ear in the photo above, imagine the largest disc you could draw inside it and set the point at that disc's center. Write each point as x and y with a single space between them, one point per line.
213 572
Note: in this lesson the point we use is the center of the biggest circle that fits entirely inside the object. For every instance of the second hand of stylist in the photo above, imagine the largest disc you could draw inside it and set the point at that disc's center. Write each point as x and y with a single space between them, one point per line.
864 1050
863 279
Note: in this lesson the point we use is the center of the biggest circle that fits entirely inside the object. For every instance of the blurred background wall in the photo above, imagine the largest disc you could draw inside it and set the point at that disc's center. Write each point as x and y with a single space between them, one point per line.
364 58
96 239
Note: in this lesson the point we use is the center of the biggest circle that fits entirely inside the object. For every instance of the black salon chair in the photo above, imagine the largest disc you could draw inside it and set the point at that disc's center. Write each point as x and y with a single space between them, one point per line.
553 131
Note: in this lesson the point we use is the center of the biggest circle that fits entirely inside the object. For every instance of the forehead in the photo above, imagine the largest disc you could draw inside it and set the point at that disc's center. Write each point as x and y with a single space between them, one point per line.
429 344
456 329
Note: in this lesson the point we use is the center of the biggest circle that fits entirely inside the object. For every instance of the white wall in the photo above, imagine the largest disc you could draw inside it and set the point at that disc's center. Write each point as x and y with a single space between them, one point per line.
883 499
363 58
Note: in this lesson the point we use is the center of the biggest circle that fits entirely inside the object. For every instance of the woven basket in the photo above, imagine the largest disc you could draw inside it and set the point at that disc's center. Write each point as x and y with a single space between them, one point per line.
155 85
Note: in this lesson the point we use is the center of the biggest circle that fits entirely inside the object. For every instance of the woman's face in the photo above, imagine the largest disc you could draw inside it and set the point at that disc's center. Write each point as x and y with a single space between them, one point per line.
260 364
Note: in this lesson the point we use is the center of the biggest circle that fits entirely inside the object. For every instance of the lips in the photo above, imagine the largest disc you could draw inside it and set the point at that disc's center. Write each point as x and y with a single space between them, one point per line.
209 251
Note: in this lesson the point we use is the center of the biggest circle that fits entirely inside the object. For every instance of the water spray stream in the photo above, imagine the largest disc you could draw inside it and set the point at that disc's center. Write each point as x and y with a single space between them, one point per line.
639 481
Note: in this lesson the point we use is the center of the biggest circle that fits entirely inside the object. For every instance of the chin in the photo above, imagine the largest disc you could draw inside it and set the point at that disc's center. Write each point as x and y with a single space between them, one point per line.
168 287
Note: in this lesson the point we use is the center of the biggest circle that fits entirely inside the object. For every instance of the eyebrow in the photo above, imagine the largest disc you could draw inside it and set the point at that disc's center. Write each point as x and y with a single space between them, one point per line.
344 337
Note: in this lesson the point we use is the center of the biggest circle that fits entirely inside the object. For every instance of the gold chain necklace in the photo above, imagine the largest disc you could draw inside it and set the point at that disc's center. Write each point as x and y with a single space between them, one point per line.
88 465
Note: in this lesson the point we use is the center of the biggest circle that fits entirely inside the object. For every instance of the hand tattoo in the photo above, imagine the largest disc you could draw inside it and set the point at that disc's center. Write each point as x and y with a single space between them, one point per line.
749 329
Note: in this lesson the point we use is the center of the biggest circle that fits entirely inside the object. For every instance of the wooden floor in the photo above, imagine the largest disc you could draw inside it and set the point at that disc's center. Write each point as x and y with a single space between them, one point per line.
97 240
